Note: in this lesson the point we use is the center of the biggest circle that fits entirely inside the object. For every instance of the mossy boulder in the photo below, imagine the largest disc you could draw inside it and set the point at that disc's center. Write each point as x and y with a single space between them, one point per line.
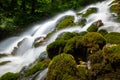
89 11
37 67
82 33
10 76
55 48
94 41
94 26
82 22
97 57
62 67
103 32
75 47
113 38
68 21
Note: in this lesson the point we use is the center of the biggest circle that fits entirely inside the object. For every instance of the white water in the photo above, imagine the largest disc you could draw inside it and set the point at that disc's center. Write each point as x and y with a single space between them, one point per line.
27 54
42 75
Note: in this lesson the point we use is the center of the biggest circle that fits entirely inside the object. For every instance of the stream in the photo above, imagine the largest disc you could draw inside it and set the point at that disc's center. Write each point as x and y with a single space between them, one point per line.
26 53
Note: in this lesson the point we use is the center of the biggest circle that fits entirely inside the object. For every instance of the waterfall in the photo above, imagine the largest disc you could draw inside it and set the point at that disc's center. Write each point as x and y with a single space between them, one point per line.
27 54
42 75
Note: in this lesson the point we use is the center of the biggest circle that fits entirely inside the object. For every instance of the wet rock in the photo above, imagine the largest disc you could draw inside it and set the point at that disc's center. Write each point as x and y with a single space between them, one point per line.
98 23
39 41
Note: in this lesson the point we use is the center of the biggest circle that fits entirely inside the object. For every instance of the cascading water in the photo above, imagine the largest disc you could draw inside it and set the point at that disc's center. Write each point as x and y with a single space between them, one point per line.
26 54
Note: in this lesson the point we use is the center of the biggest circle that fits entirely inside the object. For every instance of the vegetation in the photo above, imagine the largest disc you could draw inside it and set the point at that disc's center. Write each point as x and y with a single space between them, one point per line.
115 7
76 48
10 76
16 15
113 38
94 41
62 67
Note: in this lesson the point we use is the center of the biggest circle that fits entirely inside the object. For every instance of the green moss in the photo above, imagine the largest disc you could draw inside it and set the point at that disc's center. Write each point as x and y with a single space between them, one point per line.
55 48
10 76
4 62
92 28
37 67
82 22
62 67
36 44
82 70
67 35
96 57
113 38
89 12
103 32
75 47
116 8
94 41
50 33
68 21
83 33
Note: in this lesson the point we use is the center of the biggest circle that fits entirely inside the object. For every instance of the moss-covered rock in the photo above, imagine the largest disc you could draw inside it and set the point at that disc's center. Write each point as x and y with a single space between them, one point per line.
75 47
115 8
103 32
55 48
67 35
97 57
94 26
62 67
10 76
89 12
94 41
68 21
38 67
82 22
82 33
113 37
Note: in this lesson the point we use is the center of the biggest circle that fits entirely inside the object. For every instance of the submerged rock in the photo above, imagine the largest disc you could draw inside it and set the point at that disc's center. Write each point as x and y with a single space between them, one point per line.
39 41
